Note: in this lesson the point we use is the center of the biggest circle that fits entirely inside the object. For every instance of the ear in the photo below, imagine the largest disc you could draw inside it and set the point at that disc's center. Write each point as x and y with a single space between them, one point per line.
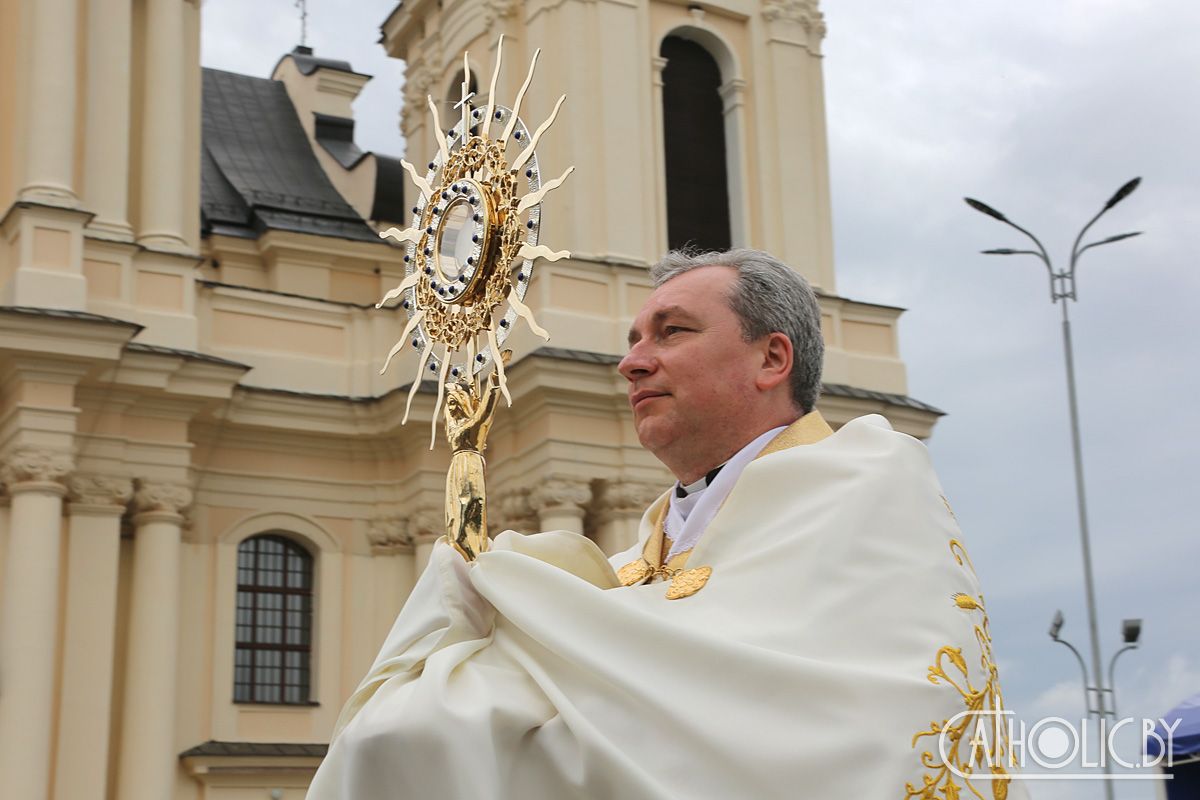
776 366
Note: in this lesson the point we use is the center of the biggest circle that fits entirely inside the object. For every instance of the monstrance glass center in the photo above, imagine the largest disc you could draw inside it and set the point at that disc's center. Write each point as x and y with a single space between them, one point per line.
454 244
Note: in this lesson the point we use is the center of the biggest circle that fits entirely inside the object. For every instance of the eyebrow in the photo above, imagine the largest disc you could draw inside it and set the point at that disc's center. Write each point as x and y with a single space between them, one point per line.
658 317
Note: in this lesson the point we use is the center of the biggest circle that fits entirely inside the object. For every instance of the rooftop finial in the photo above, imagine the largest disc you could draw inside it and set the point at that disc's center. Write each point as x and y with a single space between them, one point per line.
303 6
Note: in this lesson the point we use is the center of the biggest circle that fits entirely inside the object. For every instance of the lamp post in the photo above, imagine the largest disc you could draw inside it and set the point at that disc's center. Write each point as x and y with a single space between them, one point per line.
1131 633
1062 287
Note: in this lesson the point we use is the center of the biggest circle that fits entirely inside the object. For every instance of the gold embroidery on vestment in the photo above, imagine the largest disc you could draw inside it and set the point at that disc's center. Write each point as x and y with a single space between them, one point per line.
989 749
688 582
634 572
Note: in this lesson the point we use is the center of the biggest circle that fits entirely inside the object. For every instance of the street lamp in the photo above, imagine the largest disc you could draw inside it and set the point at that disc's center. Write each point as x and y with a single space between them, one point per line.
1062 287
1131 632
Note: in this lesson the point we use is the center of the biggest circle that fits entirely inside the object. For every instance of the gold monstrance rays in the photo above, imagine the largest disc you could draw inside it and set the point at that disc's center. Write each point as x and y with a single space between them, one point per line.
472 243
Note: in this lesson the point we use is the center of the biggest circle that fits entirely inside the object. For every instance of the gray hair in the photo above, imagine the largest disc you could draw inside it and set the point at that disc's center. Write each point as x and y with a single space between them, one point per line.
767 297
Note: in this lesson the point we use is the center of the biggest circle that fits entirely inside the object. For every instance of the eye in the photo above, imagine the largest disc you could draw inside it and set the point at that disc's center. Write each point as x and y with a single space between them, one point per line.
671 330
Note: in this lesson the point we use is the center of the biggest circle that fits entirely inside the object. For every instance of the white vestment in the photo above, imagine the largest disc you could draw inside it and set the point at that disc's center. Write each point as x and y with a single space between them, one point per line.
839 620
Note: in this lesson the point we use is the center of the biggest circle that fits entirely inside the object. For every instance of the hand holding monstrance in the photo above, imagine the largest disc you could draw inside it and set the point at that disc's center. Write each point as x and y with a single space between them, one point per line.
469 262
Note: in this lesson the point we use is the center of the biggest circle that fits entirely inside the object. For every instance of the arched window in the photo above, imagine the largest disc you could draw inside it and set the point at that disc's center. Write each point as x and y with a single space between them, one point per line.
274 621
694 141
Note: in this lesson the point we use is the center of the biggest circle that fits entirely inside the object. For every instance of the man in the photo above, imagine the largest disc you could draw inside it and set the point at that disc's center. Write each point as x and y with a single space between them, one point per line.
798 618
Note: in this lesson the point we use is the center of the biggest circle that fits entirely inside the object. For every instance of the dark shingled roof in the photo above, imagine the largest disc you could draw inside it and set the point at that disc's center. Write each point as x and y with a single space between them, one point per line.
257 749
307 63
258 171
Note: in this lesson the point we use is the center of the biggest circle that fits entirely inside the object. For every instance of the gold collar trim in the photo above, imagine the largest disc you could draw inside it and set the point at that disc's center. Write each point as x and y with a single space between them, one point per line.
809 429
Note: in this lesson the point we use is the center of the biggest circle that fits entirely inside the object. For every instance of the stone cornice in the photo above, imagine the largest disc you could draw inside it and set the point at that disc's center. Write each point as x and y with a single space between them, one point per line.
55 334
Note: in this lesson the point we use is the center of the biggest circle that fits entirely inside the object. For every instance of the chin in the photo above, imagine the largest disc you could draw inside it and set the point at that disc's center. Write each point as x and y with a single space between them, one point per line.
655 434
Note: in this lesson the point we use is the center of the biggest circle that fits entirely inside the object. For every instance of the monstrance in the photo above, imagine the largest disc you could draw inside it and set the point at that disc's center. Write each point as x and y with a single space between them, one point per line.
469 261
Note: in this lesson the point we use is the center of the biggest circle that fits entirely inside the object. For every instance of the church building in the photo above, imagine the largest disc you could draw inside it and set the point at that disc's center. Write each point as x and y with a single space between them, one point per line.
210 514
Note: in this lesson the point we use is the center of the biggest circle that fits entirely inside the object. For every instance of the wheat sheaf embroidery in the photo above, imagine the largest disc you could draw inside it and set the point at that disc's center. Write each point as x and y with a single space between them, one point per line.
974 743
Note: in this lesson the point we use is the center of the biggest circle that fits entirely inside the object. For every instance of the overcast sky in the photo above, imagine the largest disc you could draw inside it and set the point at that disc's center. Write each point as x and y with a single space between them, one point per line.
1041 109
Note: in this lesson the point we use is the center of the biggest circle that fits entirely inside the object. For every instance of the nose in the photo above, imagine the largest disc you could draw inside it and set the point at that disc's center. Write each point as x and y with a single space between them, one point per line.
638 362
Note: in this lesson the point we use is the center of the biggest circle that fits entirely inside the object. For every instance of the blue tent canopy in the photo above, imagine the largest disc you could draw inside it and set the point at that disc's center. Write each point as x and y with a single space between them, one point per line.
1185 739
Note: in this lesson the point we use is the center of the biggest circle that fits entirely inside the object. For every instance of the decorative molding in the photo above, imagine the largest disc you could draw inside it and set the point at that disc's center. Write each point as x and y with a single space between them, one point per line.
626 498
155 497
803 12
733 95
419 80
38 465
498 9
426 523
515 513
100 490
389 535
560 492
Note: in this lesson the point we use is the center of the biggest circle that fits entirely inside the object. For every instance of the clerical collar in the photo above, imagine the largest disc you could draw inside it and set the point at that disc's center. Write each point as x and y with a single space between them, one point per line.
689 514
682 491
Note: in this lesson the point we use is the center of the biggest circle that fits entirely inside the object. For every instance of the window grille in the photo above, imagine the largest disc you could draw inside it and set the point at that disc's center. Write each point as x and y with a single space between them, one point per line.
274 621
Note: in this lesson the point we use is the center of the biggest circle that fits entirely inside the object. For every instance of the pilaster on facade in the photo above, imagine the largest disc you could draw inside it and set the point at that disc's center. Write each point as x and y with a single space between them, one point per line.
50 94
146 762
618 511
107 118
164 297
169 101
96 505
42 261
35 481
561 502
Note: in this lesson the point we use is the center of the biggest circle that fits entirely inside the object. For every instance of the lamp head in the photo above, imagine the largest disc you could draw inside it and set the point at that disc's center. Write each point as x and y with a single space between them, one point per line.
1131 631
1122 193
984 208
1056 625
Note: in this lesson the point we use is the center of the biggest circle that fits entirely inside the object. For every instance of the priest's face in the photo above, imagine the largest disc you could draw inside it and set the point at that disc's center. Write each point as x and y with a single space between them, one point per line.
692 376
